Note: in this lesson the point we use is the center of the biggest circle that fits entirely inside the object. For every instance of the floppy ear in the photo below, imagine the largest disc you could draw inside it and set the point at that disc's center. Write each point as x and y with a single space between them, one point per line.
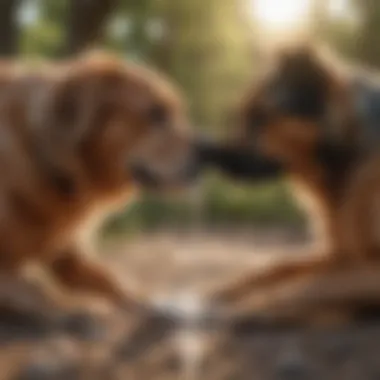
72 107
340 119
62 111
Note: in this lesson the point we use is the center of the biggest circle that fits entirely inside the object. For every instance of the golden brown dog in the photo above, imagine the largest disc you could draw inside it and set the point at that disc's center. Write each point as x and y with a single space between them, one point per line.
77 140
302 121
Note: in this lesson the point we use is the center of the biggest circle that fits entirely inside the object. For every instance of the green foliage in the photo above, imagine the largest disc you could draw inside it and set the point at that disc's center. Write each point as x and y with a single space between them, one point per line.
207 53
223 204
129 28
41 40
367 45
43 35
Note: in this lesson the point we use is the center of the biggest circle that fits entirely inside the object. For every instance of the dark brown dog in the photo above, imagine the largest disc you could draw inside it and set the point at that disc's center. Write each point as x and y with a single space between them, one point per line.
77 140
302 121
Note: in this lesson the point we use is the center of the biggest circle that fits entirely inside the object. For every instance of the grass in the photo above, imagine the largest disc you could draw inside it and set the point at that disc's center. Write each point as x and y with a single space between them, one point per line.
223 204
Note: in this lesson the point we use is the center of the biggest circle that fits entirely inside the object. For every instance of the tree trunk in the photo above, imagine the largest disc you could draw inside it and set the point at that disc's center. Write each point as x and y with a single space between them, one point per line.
9 30
86 22
368 37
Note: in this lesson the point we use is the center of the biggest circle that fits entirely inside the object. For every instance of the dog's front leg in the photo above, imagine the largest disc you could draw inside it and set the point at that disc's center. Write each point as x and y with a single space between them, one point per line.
76 272
280 273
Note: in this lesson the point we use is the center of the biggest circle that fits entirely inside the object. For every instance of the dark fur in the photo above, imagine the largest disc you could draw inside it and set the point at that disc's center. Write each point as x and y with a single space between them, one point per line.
240 164
299 90
321 127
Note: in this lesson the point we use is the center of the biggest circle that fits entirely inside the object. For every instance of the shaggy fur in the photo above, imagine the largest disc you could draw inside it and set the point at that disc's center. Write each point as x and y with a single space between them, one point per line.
319 126
77 141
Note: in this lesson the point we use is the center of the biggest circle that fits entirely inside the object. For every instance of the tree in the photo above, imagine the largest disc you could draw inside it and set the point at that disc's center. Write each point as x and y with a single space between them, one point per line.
368 34
86 23
9 28
205 47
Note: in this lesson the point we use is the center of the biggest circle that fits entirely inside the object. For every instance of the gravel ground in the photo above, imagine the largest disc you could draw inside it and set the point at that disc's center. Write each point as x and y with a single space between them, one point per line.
104 344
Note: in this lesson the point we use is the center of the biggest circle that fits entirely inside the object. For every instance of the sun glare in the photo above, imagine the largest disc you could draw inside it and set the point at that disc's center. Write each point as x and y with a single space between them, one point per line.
280 14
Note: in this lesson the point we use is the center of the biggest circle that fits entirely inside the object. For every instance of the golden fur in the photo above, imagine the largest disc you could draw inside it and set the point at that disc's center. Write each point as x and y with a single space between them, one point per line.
71 136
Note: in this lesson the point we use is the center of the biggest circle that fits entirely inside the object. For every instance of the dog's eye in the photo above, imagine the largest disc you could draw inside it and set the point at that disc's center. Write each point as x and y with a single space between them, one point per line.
158 115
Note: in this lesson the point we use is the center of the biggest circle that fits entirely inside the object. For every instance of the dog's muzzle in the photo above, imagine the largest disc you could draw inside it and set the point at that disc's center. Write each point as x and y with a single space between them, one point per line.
149 178
142 175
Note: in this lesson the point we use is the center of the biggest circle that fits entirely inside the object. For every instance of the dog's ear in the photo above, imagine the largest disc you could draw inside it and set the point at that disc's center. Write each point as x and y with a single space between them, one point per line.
78 98
318 65
341 123
72 107
339 116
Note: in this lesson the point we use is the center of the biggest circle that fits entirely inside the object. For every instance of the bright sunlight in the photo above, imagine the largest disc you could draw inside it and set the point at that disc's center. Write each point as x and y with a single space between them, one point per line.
280 14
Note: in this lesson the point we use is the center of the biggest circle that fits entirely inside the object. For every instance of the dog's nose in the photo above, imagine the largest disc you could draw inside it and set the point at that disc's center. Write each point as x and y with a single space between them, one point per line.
143 175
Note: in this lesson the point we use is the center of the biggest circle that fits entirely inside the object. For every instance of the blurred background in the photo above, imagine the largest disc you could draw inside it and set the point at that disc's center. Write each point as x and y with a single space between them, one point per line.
211 48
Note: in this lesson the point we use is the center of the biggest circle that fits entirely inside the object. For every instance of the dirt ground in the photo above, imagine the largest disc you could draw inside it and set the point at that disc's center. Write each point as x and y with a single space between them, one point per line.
105 344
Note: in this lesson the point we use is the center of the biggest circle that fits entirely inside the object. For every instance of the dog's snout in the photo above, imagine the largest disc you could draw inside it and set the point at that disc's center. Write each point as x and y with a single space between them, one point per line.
143 175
